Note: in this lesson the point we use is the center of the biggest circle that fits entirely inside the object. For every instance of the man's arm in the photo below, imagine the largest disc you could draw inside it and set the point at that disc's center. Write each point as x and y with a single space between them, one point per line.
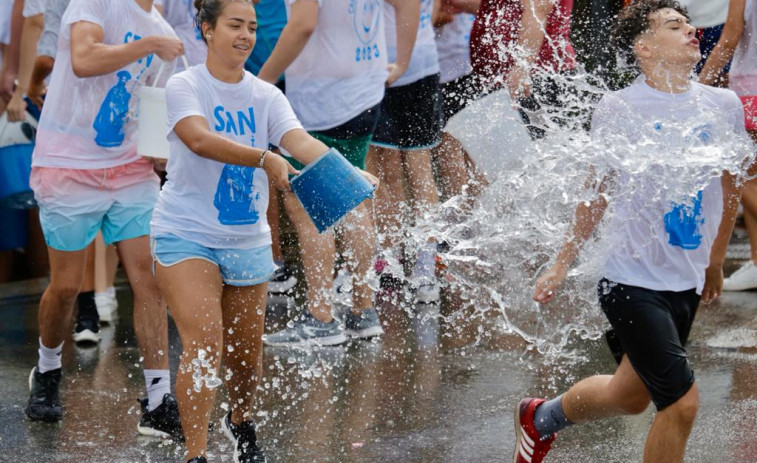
91 57
10 59
32 30
303 19
713 282
531 34
407 14
726 46
587 217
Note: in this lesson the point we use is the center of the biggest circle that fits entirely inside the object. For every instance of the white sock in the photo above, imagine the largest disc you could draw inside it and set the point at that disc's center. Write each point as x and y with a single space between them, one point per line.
49 359
158 383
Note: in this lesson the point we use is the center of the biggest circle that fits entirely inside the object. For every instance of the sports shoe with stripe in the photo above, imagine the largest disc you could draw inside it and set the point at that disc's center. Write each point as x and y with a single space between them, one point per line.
245 441
529 447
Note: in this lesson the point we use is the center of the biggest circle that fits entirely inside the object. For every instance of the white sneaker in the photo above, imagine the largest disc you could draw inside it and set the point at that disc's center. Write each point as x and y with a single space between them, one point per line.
343 288
428 292
742 279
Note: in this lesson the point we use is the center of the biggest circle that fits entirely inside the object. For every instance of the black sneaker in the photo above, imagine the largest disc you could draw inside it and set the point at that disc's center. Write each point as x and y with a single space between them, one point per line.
198 460
162 422
245 441
86 331
282 281
44 400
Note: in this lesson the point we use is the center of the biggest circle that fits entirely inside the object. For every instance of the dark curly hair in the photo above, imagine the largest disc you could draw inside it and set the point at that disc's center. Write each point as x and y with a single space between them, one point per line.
634 20
208 11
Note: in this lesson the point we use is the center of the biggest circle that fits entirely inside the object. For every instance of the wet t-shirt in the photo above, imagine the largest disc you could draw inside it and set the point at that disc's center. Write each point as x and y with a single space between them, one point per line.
180 14
48 41
90 122
659 240
424 61
341 72
211 203
743 75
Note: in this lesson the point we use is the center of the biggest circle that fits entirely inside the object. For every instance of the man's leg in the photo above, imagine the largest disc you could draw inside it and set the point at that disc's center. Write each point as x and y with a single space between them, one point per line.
666 442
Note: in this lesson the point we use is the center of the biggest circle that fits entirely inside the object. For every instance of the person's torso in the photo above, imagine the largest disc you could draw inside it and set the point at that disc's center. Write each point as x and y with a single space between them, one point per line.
180 14
743 75
90 122
215 204
342 69
425 59
452 44
660 240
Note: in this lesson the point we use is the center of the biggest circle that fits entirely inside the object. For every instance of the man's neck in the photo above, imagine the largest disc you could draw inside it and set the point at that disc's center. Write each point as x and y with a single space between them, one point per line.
668 80
145 4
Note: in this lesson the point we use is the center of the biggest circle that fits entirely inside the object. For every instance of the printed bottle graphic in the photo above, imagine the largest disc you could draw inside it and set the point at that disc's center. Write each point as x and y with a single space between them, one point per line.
235 196
682 224
112 116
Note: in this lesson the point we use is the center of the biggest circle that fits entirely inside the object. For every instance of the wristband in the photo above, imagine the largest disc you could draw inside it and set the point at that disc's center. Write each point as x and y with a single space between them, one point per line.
262 158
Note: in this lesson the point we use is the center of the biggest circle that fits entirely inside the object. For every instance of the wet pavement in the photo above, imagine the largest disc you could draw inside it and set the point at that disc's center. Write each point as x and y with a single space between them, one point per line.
440 386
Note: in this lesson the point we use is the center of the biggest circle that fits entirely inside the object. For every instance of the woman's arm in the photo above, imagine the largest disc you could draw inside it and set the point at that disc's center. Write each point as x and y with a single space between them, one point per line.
30 34
303 19
726 46
407 14
195 133
531 34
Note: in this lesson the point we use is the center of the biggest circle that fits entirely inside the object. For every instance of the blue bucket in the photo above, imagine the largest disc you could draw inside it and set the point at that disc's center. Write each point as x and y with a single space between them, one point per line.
329 188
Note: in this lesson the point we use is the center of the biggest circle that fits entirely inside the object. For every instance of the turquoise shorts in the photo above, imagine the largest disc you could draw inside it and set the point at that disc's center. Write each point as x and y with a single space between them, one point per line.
74 204
239 267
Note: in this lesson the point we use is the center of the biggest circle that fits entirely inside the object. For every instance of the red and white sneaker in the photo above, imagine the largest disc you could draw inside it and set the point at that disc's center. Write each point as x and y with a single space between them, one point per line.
529 447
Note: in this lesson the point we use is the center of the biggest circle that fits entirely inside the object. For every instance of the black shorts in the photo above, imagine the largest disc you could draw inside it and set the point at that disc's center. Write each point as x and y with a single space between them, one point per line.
411 116
651 328
456 94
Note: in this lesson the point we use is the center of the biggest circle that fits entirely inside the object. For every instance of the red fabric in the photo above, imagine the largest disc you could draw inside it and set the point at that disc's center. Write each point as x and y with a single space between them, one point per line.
495 33
750 112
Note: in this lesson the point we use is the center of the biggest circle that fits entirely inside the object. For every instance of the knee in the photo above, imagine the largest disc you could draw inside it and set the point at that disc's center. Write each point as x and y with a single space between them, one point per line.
636 405
64 293
686 407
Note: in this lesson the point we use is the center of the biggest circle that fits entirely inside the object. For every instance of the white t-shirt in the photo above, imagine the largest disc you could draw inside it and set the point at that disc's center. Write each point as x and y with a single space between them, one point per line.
453 47
424 60
33 7
6 10
180 14
656 243
90 123
48 41
743 75
341 72
706 13
214 204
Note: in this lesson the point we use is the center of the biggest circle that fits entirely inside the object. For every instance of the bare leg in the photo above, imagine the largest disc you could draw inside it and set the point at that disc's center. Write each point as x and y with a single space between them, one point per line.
273 221
57 304
317 252
194 291
89 269
359 235
449 160
150 315
244 312
390 199
749 201
666 442
420 179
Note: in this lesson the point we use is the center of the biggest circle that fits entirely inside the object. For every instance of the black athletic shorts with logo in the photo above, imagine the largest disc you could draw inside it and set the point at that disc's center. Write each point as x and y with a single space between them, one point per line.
651 328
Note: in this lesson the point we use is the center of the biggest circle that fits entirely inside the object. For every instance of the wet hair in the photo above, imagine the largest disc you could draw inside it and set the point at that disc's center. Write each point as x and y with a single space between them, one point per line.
633 21
208 11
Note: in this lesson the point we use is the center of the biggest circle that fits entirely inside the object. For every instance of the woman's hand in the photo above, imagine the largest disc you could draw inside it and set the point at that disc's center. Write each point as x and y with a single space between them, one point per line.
371 179
278 170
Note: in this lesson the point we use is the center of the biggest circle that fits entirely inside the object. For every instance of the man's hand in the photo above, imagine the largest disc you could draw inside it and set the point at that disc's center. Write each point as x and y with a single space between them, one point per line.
548 282
16 107
713 283
166 47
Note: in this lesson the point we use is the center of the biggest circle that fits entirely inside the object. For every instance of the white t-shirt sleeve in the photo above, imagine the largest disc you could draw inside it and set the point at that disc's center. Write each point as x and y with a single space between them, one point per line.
182 101
281 117
291 2
94 11
34 7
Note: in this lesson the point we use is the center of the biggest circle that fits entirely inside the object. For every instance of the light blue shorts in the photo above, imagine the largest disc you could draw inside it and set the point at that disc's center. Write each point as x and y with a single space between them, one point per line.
239 267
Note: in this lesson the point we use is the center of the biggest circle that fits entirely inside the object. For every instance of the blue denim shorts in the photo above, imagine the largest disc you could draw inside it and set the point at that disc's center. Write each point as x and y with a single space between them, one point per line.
239 267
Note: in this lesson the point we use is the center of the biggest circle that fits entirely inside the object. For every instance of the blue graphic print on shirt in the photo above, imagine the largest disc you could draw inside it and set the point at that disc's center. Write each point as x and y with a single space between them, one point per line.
110 119
235 196
682 224
366 18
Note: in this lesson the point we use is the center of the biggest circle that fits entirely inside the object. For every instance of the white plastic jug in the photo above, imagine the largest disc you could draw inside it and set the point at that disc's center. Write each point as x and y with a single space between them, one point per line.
152 139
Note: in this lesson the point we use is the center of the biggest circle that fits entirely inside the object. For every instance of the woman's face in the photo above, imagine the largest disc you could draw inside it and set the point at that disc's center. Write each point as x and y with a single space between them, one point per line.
233 36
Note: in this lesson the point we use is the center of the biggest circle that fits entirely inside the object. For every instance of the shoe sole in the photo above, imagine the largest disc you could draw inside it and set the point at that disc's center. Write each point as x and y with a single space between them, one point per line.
367 333
325 341
31 415
86 337
152 432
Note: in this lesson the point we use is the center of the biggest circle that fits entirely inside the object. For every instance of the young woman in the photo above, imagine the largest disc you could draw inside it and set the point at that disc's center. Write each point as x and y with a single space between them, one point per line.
210 239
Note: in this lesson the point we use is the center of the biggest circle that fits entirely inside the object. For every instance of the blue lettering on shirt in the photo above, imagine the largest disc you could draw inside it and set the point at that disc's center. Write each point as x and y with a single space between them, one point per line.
366 19
234 123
